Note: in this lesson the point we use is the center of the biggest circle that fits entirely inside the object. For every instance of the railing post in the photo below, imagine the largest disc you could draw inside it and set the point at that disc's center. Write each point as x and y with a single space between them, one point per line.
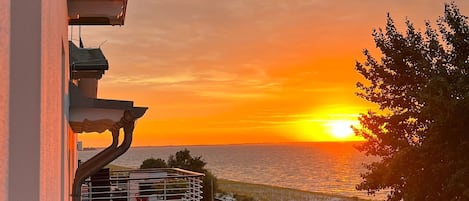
164 187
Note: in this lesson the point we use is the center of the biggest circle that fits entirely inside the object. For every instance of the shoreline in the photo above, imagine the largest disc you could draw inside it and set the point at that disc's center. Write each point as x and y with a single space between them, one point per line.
264 192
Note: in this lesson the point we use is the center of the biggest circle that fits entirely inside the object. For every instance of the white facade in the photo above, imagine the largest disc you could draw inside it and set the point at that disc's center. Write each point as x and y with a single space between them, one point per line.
38 152
4 91
37 148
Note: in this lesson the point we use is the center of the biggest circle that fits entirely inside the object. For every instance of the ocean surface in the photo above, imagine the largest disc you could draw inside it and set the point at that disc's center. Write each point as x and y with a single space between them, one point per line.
318 167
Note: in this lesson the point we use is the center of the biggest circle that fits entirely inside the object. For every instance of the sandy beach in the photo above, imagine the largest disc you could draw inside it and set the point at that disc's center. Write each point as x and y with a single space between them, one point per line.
272 193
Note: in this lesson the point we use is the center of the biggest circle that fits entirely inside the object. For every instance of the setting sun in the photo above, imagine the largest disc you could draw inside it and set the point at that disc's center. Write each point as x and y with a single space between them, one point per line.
328 125
341 129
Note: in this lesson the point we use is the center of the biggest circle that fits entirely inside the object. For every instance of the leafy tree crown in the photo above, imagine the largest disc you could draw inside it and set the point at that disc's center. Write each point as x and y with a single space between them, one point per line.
421 86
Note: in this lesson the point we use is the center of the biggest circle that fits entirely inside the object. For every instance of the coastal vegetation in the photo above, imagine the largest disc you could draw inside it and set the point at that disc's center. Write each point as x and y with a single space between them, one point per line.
153 163
184 160
262 192
421 84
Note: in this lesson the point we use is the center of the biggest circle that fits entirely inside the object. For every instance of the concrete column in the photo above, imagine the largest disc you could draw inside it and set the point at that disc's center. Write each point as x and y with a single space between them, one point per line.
25 101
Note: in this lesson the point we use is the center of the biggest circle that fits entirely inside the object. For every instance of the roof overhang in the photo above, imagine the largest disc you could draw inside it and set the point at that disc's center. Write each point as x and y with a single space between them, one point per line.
87 62
96 12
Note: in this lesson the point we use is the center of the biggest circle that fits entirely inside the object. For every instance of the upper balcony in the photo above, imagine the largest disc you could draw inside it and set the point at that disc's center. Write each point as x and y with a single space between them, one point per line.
96 12
87 62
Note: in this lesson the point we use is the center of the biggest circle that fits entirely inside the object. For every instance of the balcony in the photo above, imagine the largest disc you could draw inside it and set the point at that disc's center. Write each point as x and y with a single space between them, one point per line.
96 12
143 185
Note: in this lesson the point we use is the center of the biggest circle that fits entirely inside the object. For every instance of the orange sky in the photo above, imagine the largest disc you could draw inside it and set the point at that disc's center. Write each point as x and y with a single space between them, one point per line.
229 71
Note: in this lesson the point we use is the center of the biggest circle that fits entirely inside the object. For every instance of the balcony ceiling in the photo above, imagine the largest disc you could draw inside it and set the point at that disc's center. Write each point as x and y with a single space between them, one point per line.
96 12
97 115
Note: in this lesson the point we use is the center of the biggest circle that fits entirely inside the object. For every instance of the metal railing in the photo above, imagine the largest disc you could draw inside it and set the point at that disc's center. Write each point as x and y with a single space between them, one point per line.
144 185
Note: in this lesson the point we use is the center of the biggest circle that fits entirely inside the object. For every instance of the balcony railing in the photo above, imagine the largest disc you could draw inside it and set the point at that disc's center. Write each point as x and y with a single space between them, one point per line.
144 185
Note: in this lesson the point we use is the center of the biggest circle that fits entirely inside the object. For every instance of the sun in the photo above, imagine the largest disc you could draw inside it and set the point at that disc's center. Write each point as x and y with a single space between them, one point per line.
327 128
341 129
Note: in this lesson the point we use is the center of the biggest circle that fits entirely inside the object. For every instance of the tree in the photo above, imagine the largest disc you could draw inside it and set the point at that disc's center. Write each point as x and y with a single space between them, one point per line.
153 163
183 159
239 197
421 132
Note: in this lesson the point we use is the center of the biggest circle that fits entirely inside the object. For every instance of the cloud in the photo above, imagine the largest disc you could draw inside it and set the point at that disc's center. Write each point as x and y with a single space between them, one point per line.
244 63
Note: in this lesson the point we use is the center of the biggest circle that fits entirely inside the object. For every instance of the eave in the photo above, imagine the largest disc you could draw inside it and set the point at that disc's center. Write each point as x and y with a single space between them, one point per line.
97 115
96 12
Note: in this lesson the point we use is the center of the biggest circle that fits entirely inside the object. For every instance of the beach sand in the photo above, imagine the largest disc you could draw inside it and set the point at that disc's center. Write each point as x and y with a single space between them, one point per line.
272 193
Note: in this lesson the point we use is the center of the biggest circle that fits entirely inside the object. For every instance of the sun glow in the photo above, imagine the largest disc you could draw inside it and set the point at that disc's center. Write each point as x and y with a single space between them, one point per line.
327 128
341 129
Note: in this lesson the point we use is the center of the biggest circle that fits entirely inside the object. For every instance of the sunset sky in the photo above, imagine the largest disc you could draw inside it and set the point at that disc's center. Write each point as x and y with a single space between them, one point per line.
243 71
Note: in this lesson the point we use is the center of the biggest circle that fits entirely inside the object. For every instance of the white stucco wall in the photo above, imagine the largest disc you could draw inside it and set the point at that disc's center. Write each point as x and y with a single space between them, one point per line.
38 152
4 93
54 56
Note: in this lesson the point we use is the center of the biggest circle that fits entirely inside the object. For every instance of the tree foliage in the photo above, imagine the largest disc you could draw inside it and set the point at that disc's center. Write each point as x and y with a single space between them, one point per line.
184 160
239 197
421 132
153 163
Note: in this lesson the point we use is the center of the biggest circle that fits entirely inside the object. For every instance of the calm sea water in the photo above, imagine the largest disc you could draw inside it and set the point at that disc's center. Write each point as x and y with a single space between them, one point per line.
318 167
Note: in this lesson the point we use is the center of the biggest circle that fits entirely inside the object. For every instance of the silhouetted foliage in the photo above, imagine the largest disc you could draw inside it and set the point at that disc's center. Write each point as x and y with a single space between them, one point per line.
422 131
210 186
153 163
183 159
243 198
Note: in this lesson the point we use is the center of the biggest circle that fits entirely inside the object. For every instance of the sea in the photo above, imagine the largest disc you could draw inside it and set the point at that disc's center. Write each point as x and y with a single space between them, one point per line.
327 167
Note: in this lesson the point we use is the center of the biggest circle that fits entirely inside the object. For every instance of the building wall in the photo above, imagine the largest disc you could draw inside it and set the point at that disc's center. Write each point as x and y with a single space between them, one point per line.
4 93
38 152
54 77
25 88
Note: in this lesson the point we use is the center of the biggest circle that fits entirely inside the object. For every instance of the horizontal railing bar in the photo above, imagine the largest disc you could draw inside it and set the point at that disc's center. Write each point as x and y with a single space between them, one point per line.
166 184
